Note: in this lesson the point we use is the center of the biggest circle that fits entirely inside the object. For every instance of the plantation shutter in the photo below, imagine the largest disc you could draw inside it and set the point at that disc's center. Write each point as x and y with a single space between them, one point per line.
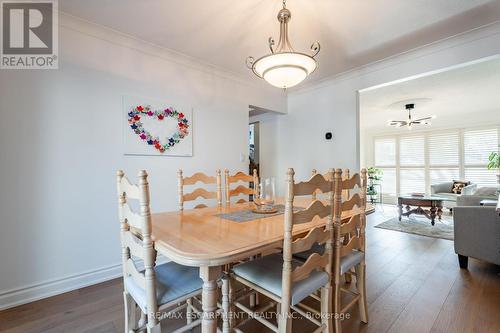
444 156
478 144
412 164
385 152
385 159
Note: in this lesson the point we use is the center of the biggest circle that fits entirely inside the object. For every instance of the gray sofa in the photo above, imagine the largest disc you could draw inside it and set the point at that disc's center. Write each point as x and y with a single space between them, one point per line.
445 190
477 231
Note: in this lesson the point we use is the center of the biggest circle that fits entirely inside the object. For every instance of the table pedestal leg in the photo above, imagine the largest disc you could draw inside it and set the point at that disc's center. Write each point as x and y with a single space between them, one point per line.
209 275
400 207
433 214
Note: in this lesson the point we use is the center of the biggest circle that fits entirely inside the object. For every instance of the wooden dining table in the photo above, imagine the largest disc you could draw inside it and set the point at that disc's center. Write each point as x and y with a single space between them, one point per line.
200 238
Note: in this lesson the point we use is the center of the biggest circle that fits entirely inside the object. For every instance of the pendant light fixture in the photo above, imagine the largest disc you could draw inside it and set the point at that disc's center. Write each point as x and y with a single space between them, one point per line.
411 122
284 68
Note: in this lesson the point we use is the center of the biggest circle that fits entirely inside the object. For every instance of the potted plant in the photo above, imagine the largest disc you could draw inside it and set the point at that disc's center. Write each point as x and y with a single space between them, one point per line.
374 176
494 163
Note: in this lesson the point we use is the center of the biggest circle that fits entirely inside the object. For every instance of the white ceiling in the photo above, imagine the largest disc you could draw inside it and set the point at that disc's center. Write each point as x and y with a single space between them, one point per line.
351 32
462 97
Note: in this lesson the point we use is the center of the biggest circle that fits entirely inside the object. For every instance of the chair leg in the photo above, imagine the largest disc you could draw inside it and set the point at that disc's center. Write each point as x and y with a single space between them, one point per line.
284 319
130 312
463 261
326 309
154 329
143 320
361 286
253 299
189 311
226 313
232 318
337 307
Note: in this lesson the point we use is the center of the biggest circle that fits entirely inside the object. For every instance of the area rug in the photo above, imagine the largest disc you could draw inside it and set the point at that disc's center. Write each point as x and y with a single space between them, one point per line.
420 225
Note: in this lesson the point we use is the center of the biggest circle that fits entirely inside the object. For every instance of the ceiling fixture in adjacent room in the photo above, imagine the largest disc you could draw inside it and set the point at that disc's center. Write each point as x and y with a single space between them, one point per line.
284 68
410 122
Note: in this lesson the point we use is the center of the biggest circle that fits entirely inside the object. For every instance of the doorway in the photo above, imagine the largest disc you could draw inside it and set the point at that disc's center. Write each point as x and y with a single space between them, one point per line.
253 147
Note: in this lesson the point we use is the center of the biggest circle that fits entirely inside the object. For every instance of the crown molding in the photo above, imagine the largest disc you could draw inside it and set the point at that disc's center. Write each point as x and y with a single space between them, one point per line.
107 34
440 45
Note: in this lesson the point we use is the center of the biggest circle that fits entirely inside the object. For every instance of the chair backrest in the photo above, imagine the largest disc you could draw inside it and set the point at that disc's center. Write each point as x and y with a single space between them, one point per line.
199 192
318 235
346 192
240 189
327 176
349 235
136 235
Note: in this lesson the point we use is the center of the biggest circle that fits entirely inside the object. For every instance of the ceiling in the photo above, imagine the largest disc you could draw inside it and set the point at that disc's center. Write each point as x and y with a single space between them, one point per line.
461 97
351 32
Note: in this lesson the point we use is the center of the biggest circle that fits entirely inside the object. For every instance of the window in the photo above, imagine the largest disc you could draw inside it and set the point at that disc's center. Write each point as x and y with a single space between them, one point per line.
385 152
411 151
385 159
444 156
478 144
411 163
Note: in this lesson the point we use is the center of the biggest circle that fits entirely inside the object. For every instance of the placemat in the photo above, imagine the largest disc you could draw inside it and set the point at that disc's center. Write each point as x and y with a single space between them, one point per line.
248 215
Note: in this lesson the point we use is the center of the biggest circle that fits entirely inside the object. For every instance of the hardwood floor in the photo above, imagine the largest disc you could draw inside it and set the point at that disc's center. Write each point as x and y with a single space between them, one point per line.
414 284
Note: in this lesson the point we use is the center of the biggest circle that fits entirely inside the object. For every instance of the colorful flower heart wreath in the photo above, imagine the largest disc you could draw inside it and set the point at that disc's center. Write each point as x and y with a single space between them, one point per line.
136 125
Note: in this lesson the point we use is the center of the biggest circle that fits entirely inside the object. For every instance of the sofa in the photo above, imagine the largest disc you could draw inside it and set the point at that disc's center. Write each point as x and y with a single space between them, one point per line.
477 231
445 190
482 193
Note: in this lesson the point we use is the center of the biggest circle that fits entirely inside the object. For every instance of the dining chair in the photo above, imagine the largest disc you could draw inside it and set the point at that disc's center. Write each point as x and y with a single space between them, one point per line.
199 192
320 249
240 189
346 192
326 175
153 289
284 279
351 254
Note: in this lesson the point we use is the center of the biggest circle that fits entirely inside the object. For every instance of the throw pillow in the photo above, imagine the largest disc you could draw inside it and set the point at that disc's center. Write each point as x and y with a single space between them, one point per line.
458 185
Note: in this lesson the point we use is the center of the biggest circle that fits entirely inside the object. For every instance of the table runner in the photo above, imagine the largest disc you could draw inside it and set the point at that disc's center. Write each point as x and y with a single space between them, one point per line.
248 215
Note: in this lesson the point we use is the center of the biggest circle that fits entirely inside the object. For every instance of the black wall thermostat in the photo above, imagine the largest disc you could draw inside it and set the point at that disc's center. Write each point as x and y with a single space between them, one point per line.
328 135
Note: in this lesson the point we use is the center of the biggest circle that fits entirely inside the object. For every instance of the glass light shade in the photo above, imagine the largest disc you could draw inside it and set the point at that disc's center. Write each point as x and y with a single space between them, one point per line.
284 70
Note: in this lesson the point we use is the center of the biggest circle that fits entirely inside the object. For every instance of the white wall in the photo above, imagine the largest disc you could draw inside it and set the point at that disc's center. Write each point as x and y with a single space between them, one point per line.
333 104
267 142
61 144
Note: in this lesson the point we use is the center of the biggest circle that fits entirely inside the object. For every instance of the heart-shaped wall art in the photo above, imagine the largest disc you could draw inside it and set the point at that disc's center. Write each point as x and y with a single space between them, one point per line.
136 125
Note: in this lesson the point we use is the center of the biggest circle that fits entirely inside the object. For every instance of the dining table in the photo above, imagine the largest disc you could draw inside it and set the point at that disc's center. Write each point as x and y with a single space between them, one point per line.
204 238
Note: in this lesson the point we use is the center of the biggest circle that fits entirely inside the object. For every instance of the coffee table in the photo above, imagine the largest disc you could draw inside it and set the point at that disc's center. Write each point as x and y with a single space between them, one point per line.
434 203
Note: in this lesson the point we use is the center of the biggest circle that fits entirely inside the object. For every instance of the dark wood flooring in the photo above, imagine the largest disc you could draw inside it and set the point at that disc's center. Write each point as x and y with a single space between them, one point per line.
414 284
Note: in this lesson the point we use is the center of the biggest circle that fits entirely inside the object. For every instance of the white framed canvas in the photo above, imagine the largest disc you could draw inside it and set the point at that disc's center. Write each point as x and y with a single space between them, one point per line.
159 128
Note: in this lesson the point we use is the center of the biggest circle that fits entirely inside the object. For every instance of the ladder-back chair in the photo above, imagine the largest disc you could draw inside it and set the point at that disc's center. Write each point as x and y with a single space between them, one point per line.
240 189
199 192
345 196
350 254
286 280
154 288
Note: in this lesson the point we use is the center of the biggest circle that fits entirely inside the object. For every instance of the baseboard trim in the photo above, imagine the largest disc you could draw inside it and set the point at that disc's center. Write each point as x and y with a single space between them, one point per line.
38 291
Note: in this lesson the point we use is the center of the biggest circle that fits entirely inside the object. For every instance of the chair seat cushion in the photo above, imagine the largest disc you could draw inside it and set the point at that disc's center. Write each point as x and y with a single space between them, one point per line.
173 281
266 272
349 261
316 248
